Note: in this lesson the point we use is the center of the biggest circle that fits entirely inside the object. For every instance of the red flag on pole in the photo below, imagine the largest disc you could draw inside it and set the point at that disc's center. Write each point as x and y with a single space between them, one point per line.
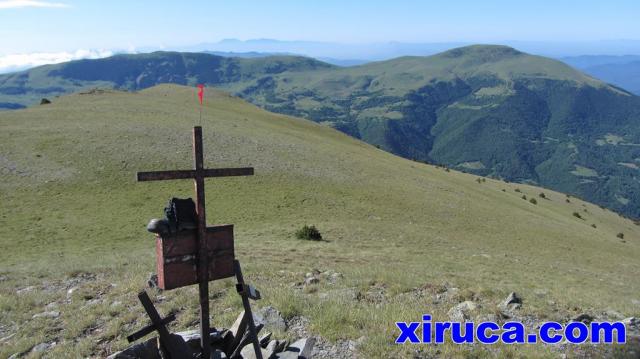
200 92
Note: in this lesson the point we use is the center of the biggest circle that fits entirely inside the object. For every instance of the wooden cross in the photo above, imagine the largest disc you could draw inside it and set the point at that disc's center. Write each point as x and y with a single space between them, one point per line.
198 175
247 292
158 324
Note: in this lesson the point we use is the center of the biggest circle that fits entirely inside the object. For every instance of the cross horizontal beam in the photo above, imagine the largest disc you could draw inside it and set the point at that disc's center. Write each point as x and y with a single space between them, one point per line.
185 174
150 328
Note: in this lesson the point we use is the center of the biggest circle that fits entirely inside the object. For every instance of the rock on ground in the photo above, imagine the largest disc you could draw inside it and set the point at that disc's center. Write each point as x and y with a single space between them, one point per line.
461 312
271 318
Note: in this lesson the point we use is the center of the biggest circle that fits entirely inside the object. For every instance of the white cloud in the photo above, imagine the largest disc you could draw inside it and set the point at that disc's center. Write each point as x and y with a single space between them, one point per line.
17 62
12 4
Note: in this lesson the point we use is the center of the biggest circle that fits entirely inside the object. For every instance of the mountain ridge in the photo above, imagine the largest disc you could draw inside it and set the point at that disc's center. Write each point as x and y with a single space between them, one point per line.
485 109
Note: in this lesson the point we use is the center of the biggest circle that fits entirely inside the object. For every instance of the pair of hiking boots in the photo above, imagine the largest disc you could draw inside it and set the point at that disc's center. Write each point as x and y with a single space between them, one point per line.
180 214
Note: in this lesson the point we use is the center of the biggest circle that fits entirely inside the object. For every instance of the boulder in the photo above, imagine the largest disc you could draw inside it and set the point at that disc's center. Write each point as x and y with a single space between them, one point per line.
631 323
192 338
461 312
287 355
271 318
512 302
49 314
583 317
152 282
245 340
237 331
144 350
43 347
273 345
264 339
335 277
181 347
249 353
302 347
311 280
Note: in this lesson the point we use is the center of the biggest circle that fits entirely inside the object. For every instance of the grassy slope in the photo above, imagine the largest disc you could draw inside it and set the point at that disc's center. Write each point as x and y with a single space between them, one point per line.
73 209
445 108
448 108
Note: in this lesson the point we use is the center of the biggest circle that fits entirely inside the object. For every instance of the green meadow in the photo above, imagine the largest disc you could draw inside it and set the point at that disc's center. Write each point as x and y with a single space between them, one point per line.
402 233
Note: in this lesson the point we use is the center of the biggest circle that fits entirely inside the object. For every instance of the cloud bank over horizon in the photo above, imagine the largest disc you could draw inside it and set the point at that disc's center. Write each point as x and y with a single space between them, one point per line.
344 54
19 62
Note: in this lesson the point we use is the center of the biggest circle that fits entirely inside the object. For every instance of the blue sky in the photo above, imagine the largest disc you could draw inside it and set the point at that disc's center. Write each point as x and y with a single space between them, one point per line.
66 29
72 25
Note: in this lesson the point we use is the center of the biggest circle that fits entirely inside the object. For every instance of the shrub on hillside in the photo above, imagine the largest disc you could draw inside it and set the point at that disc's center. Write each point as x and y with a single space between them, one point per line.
577 215
309 233
542 195
620 235
533 200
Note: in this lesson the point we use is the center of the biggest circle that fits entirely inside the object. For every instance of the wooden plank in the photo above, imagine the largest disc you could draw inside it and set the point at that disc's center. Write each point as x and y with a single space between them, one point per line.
165 175
180 274
253 332
219 237
176 256
187 174
165 339
150 329
228 172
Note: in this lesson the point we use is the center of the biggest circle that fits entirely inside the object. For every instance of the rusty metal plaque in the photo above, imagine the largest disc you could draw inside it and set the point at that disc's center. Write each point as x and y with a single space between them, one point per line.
176 256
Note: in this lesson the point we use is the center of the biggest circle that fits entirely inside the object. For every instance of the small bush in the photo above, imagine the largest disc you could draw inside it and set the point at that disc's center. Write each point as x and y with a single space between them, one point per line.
620 235
478 180
309 233
577 215
533 200
594 225
517 190
524 197
542 195
567 200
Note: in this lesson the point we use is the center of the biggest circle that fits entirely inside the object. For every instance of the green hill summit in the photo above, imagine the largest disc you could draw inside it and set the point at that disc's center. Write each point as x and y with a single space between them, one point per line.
486 109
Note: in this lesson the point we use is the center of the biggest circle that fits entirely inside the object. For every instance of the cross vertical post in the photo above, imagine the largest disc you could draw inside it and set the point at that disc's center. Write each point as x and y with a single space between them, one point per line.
198 174
203 258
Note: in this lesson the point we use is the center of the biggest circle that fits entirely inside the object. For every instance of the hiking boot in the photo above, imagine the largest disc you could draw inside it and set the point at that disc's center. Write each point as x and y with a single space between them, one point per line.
187 225
158 226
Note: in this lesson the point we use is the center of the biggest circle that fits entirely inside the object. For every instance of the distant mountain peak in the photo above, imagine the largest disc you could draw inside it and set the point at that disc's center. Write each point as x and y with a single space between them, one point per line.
484 52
